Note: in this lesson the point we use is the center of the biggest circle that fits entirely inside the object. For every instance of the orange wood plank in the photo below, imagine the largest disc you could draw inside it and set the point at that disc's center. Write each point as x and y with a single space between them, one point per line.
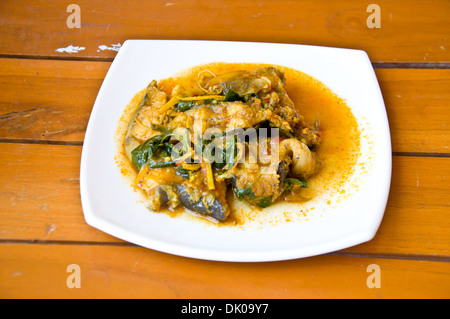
40 196
52 100
417 218
40 271
417 103
40 192
47 100
411 31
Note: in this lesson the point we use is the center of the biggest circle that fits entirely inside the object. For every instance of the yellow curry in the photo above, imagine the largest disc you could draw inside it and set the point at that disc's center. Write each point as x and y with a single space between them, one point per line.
224 128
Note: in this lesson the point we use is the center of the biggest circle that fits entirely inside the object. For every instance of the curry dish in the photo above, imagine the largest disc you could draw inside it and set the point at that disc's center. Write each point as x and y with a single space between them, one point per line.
193 139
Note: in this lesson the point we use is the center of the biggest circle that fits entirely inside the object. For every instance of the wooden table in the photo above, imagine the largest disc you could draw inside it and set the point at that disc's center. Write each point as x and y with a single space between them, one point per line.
46 97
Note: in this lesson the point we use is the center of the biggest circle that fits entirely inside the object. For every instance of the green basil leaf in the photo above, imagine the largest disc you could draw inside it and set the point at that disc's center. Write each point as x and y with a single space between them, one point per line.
265 202
244 194
184 106
159 164
154 148
291 182
231 96
182 172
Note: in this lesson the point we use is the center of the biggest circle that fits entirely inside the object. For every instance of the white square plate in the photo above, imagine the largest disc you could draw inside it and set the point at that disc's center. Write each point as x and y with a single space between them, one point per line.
110 204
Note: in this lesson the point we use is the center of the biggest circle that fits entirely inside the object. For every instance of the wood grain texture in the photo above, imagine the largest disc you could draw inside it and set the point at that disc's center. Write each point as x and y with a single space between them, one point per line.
417 104
41 201
413 31
41 194
50 101
417 217
40 271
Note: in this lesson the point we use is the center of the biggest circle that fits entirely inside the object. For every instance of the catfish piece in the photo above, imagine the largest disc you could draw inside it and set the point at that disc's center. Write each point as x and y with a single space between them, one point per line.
282 171
245 85
206 204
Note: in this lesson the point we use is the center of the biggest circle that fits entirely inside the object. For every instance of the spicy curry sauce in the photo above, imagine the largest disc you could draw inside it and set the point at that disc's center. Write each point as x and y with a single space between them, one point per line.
339 149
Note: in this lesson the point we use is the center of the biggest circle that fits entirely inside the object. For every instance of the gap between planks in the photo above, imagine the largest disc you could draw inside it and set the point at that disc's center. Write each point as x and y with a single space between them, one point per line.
376 65
341 253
